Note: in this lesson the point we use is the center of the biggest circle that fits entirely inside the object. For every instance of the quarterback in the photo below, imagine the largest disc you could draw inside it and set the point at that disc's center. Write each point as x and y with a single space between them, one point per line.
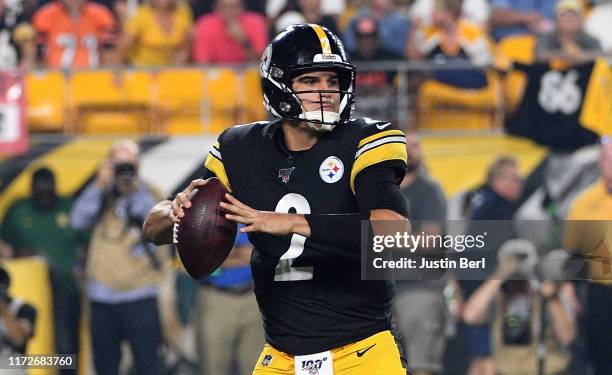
301 184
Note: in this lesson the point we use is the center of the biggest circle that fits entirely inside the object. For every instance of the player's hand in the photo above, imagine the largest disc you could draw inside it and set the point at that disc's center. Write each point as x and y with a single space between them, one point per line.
182 200
275 223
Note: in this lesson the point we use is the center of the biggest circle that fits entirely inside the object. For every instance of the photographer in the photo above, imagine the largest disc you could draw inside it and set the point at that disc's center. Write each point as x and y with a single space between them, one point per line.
123 272
17 320
523 314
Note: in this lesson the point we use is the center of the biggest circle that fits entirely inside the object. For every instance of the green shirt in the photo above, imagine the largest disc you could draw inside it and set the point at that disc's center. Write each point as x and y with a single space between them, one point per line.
48 233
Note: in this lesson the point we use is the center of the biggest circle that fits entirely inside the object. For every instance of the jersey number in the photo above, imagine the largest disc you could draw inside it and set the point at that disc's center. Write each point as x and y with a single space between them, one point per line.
70 44
284 268
560 93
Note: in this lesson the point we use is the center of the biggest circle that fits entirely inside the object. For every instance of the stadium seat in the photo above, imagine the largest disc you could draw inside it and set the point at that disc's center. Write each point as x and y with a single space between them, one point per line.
441 106
518 48
180 99
105 104
46 101
253 97
221 99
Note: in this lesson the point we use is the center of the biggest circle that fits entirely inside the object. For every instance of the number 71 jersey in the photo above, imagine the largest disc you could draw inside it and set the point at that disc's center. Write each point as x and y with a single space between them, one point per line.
310 294
74 42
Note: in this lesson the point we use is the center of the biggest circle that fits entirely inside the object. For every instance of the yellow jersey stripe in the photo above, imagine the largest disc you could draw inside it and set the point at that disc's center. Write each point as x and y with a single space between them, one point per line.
217 145
379 135
216 166
384 152
325 47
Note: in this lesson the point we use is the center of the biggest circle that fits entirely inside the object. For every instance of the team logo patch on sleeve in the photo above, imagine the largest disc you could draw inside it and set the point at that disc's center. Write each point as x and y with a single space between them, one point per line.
266 361
331 170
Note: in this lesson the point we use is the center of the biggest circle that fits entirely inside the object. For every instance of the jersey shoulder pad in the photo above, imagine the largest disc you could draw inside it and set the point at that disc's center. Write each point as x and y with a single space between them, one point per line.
377 142
240 133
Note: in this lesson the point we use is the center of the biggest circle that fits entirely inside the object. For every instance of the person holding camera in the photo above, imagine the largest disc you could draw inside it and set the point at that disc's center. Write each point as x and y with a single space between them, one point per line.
17 319
123 272
527 316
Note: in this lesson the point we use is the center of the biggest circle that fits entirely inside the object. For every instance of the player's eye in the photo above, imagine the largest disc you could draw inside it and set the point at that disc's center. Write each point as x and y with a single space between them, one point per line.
334 82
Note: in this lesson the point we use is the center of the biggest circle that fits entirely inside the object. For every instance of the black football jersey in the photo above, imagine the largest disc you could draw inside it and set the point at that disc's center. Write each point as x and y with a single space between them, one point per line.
311 295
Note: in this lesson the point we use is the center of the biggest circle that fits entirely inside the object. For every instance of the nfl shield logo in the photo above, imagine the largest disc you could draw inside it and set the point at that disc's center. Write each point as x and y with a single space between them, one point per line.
285 173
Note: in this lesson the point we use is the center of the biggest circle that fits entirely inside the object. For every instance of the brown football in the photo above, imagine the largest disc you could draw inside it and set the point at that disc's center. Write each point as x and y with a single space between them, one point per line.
204 237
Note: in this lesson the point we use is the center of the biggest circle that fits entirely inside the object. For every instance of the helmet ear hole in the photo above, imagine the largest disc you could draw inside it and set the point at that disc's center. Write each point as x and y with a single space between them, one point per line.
284 106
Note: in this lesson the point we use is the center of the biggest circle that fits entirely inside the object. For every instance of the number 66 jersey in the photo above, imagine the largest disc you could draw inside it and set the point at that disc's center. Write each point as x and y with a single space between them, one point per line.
310 294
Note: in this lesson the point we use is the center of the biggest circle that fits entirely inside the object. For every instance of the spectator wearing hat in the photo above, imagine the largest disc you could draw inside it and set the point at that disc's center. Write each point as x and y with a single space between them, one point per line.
568 41
375 86
393 27
40 225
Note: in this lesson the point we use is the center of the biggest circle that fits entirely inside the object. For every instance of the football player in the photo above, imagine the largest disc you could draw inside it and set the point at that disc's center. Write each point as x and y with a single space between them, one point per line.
302 184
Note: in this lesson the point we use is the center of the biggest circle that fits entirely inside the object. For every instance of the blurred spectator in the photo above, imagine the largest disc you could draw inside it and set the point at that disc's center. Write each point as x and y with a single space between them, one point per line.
517 319
229 35
588 232
498 199
17 320
17 45
304 11
158 34
493 208
450 38
123 271
376 87
274 8
393 27
74 33
420 307
228 317
40 224
202 7
474 11
568 41
597 24
511 17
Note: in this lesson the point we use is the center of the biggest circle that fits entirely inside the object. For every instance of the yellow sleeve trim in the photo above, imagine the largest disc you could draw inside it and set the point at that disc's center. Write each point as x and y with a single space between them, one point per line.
216 166
380 135
384 152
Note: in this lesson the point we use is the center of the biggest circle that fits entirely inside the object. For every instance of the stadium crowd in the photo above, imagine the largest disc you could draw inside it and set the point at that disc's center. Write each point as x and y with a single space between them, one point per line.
448 327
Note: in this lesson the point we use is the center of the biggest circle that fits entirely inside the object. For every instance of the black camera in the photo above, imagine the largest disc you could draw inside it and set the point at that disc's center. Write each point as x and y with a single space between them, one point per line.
125 170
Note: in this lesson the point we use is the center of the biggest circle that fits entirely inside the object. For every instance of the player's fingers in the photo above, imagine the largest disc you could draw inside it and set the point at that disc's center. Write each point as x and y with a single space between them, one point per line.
236 202
249 229
195 183
239 219
237 209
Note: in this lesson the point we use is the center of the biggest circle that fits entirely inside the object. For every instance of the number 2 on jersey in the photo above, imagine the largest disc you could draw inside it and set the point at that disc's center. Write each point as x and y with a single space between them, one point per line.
284 268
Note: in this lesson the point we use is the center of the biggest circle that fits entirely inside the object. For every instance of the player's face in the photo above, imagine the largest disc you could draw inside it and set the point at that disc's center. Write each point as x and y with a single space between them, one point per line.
318 81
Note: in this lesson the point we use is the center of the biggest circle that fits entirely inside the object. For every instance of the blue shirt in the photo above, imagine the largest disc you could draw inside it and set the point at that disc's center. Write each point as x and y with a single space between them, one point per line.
232 277
545 7
392 32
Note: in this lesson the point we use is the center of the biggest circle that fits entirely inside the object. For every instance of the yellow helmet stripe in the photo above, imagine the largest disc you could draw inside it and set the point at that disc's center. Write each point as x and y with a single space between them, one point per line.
322 38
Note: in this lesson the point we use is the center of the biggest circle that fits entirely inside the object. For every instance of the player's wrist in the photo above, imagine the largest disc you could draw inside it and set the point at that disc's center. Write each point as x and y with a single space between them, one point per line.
299 225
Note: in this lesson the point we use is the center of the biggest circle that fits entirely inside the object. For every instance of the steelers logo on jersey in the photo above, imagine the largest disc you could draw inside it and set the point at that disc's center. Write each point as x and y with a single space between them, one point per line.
331 170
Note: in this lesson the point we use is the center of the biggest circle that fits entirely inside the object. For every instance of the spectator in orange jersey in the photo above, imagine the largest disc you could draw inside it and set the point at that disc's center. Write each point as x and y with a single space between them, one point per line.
74 33
158 34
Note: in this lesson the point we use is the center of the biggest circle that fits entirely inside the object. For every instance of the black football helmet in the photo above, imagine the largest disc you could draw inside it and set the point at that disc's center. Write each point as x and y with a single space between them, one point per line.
301 49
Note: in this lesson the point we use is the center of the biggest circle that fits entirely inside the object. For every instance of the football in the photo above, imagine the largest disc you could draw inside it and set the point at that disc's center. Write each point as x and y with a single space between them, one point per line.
204 237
